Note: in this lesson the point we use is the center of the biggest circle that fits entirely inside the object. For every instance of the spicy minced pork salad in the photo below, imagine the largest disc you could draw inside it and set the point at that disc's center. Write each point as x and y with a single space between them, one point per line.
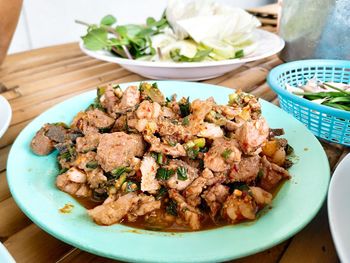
138 158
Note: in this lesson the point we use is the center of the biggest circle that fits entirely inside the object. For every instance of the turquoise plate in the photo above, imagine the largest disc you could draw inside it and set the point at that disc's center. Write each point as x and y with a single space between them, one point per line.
32 182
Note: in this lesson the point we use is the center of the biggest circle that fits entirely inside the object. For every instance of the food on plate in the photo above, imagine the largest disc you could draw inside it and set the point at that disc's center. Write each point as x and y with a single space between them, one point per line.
332 94
188 31
138 158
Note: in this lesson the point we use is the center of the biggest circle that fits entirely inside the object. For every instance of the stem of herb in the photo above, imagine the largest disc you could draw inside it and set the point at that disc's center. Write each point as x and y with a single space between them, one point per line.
112 31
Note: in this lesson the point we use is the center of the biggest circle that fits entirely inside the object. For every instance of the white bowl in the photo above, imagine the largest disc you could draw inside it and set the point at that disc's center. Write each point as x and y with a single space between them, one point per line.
5 115
339 209
267 43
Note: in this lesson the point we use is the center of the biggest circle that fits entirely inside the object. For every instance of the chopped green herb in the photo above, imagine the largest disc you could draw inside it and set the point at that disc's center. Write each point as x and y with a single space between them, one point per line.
259 176
66 156
92 165
161 193
171 208
119 171
160 158
181 173
154 155
192 152
164 174
184 105
172 143
63 170
185 121
226 154
69 154
201 164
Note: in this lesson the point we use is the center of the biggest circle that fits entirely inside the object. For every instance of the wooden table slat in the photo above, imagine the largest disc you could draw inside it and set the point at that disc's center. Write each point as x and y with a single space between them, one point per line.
34 245
12 218
4 189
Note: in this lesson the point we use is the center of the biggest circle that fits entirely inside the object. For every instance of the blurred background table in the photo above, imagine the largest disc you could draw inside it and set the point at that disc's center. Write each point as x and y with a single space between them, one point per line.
35 80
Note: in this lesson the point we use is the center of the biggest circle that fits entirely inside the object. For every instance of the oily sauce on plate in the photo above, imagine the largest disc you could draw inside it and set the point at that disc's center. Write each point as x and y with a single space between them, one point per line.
206 223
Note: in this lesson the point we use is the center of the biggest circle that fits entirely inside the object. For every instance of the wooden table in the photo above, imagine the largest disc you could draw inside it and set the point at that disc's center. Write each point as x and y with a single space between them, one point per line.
36 80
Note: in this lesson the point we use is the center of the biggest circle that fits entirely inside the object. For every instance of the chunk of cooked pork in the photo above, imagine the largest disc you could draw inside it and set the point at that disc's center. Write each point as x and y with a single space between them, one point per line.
175 181
215 196
239 206
188 213
272 174
114 211
148 110
41 144
87 143
222 153
99 119
73 182
145 205
131 97
246 170
252 134
149 168
117 149
194 190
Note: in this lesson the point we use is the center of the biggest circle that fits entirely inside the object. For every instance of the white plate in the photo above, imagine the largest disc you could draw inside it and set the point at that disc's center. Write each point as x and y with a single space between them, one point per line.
5 256
267 43
339 209
5 115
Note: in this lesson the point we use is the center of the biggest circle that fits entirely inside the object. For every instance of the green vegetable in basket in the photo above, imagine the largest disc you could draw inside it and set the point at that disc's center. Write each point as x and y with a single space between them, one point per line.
337 98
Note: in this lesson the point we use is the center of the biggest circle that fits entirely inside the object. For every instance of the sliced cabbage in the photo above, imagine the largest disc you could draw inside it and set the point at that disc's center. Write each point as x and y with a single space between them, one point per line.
202 19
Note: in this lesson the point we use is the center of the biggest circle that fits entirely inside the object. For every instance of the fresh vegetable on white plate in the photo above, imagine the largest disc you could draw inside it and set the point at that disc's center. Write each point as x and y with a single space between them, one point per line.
188 31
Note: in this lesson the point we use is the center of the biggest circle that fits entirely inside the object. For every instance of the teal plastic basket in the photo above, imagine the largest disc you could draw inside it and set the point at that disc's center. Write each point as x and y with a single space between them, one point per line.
325 122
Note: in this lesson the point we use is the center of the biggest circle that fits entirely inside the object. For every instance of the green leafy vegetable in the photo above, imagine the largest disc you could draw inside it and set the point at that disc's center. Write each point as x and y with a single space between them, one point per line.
339 99
96 39
108 20
181 173
164 174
